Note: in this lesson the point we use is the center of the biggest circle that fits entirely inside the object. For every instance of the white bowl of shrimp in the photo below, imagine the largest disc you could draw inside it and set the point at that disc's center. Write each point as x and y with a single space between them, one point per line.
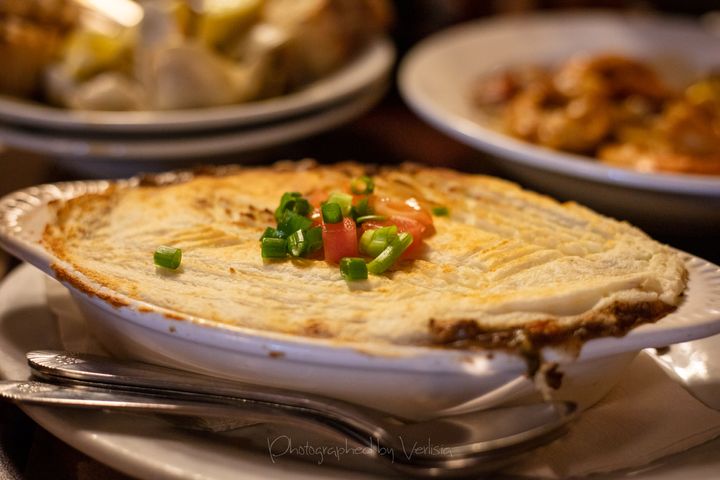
532 92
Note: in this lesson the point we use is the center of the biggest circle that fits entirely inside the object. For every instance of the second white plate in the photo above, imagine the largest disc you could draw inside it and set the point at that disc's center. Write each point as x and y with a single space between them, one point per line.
436 80
120 156
369 66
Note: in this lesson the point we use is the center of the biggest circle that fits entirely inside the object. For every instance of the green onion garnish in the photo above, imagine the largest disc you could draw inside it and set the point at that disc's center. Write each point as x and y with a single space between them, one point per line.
365 240
383 237
293 202
287 202
342 199
292 222
302 207
373 242
296 243
332 213
274 248
440 211
362 185
313 239
353 269
362 209
390 255
272 233
167 257
365 218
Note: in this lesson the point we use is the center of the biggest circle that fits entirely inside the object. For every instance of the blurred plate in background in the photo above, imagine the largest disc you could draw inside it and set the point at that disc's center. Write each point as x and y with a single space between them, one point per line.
117 155
436 80
370 65
113 144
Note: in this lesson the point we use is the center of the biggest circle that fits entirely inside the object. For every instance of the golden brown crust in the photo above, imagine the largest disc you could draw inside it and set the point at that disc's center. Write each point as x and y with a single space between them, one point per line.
71 279
507 268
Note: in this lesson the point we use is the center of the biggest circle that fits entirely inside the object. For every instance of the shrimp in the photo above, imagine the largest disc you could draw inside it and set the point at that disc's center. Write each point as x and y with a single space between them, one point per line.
545 117
645 158
612 107
691 129
501 86
612 76
685 138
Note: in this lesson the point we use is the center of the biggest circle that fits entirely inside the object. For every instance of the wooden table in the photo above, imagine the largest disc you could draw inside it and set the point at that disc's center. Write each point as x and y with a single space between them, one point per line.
388 134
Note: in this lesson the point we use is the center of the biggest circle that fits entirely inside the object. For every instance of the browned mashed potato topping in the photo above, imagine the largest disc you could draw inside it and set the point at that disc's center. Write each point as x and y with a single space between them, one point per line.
504 262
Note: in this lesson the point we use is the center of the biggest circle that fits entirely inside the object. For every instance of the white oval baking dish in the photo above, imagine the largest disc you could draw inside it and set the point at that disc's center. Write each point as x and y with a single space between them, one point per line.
413 382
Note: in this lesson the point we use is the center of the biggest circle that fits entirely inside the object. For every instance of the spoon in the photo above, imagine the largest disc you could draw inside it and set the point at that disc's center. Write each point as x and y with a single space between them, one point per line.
462 444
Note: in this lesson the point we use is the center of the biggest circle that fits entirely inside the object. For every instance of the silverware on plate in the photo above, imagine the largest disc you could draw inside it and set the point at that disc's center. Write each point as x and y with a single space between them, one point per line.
460 444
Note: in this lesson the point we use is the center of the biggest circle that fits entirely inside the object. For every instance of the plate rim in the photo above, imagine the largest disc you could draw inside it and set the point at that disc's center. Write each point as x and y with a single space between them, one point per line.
508 148
170 149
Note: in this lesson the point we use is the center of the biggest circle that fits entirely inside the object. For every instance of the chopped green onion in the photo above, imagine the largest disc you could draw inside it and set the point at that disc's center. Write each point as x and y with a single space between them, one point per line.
391 253
362 185
272 233
296 243
313 239
342 199
378 240
353 268
362 209
301 207
274 248
331 213
167 257
292 222
440 211
365 240
370 217
287 202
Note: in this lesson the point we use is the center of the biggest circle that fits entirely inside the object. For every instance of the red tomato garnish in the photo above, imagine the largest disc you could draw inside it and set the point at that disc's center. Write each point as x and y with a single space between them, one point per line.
339 240
316 216
408 209
404 224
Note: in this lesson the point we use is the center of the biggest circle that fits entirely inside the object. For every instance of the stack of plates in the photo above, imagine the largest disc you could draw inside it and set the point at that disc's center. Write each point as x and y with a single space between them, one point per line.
120 143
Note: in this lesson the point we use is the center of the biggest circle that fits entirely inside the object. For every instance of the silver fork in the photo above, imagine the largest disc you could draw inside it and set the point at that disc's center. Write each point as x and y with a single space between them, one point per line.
462 444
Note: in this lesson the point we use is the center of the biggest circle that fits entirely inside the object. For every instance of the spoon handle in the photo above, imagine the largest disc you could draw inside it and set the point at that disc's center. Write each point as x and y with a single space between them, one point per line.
91 397
111 371
94 369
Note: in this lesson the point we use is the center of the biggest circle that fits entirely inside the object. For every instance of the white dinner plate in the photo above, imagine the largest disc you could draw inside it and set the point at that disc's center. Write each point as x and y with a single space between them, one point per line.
118 155
148 448
436 79
370 65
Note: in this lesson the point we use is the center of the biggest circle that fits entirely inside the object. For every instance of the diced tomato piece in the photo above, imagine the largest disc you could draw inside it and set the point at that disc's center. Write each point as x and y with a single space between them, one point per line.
316 216
339 240
410 208
404 224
